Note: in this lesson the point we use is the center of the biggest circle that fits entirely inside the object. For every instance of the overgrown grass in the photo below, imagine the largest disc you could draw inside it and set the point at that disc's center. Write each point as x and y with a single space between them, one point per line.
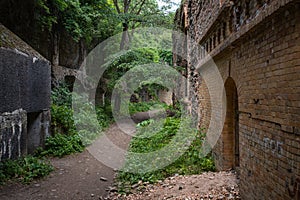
24 169
145 106
188 163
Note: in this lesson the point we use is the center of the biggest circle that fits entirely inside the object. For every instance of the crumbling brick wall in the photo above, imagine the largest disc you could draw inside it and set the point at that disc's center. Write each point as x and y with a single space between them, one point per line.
255 45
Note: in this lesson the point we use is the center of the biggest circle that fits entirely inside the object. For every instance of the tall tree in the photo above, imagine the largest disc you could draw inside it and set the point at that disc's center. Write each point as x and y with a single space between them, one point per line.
134 13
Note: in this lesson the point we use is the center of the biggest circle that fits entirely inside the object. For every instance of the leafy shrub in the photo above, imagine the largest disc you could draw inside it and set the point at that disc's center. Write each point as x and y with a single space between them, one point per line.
25 169
61 95
166 56
62 120
104 115
85 124
117 65
60 145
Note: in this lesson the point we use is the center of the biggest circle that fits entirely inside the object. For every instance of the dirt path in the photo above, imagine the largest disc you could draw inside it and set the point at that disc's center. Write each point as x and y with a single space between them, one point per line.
82 176
78 176
75 177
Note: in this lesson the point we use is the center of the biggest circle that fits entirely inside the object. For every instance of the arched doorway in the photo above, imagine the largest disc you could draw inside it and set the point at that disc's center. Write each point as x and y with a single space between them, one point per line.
230 134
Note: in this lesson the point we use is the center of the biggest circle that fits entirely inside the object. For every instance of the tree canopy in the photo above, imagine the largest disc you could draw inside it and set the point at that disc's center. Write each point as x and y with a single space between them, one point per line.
136 13
83 19
88 19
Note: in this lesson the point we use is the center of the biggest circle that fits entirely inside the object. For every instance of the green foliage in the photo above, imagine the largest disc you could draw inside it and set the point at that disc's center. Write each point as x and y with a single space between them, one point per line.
61 112
24 169
61 95
89 121
159 140
150 54
62 120
76 127
129 59
104 115
145 106
144 13
188 163
60 145
83 19
144 123
166 57
135 60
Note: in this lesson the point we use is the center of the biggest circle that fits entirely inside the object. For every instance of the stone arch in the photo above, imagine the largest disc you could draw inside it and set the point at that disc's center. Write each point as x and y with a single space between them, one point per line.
230 133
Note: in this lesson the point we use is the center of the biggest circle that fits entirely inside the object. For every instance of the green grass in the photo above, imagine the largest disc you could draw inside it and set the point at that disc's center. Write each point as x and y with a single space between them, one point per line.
145 106
188 163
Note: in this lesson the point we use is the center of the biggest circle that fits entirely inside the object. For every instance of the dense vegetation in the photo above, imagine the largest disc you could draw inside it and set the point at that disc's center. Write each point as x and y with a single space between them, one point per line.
189 162
91 19
67 137
24 169
133 60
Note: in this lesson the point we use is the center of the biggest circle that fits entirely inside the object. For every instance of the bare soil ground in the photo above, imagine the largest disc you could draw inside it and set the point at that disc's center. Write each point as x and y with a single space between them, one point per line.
75 177
211 185
81 176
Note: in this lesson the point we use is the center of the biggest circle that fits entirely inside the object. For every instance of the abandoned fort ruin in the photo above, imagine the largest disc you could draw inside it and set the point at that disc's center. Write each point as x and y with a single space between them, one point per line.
256 47
25 97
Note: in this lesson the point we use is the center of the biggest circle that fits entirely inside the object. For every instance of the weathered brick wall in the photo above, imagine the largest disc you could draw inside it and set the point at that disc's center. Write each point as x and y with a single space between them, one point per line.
256 47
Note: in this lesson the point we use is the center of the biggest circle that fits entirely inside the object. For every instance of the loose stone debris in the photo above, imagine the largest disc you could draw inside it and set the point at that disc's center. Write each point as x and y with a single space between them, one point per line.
210 185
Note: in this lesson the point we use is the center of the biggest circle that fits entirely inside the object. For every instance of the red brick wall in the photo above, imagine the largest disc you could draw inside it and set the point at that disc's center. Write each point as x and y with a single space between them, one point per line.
260 54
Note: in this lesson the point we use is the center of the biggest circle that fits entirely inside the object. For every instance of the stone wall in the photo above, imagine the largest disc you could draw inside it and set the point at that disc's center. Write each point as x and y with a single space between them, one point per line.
21 17
256 48
25 83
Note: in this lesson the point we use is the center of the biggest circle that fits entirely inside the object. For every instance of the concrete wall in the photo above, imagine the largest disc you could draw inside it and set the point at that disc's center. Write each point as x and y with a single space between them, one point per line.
25 88
256 47
13 134
24 82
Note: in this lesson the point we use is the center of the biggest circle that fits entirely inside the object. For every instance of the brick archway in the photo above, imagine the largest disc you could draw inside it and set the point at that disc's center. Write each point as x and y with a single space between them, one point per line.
230 133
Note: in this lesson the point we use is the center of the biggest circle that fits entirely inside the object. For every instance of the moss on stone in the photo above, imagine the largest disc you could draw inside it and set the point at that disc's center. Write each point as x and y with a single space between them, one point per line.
11 41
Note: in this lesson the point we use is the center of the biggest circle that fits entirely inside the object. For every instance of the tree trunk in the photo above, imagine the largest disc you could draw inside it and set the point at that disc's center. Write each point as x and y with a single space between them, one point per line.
55 54
117 103
125 37
82 53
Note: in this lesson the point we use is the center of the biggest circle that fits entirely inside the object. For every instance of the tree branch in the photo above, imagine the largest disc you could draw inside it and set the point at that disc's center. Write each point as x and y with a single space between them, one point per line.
140 9
126 5
117 6
134 7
